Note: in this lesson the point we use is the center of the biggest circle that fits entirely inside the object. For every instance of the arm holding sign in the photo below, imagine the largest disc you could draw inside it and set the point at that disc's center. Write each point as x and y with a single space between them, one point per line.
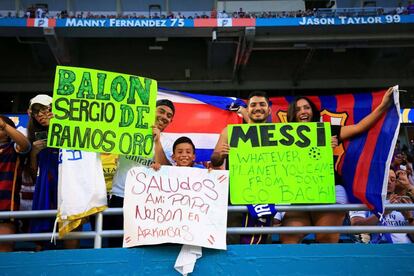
221 150
159 154
11 133
365 124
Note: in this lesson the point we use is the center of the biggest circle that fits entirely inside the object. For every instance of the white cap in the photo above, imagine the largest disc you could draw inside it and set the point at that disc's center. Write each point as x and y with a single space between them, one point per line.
41 99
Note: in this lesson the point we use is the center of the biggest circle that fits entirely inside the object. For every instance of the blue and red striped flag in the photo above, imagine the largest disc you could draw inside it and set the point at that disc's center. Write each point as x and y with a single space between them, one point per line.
362 161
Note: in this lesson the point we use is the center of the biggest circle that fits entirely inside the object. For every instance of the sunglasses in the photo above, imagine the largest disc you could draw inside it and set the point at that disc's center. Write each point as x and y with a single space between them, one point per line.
41 111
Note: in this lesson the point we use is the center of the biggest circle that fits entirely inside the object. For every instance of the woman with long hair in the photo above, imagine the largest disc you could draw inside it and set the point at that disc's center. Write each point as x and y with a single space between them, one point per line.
43 161
304 110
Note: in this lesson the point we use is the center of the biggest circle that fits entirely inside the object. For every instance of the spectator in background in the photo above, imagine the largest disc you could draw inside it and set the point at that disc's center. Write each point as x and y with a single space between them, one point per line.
410 7
398 160
400 9
222 14
39 12
241 13
213 13
409 171
13 144
391 218
403 186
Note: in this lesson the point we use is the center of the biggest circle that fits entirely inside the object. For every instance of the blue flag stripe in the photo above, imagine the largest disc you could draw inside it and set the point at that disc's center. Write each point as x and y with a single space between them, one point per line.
363 104
328 102
375 179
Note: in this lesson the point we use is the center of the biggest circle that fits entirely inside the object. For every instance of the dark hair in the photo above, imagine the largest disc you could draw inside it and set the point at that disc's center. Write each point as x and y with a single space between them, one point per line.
8 121
166 103
183 140
291 114
34 126
258 93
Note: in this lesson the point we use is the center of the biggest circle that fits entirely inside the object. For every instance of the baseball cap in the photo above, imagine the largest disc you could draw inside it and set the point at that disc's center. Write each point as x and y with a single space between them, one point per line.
41 99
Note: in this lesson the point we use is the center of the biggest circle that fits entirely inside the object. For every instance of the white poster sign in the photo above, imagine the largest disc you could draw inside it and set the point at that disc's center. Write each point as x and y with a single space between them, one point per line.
176 204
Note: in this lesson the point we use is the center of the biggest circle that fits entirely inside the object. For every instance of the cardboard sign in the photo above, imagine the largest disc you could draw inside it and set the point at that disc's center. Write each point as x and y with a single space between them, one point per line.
176 204
102 111
281 163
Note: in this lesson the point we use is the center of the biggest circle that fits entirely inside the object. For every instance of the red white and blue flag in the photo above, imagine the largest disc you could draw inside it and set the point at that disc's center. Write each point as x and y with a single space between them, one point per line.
362 162
201 118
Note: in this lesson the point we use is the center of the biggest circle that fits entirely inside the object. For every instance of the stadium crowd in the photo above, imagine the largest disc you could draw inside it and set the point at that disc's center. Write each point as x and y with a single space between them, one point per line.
43 12
29 173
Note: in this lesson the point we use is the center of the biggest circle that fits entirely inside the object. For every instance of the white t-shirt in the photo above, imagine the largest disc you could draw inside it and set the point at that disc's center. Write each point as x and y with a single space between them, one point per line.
126 162
395 218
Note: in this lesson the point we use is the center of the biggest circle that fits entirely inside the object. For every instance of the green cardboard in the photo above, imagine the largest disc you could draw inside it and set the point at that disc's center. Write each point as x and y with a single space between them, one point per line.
281 163
102 111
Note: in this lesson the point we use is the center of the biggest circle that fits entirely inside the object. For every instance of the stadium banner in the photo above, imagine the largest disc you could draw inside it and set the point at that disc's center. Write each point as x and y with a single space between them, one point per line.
337 21
125 23
407 115
204 22
102 111
281 163
176 204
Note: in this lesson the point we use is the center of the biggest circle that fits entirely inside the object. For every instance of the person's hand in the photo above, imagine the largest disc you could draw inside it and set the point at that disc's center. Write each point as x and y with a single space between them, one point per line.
387 98
394 199
334 141
224 149
155 166
406 200
49 115
2 124
402 179
156 133
37 146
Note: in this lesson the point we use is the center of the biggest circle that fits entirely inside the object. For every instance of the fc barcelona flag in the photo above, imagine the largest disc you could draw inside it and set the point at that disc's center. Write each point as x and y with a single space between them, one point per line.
362 161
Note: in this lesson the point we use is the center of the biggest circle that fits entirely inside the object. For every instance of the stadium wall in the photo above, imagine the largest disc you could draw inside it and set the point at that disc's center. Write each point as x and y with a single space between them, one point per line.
272 259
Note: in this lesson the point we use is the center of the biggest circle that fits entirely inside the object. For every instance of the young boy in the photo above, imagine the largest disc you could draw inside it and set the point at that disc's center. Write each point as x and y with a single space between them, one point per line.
183 154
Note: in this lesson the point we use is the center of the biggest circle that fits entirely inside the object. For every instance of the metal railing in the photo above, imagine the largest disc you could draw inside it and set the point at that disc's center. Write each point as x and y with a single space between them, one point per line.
99 233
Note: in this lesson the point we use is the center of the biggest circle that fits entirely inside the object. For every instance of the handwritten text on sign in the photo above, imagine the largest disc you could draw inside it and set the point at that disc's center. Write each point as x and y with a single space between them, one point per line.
281 163
176 204
102 111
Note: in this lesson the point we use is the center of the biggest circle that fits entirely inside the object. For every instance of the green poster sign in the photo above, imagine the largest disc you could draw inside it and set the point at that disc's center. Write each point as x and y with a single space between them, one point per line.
102 111
281 163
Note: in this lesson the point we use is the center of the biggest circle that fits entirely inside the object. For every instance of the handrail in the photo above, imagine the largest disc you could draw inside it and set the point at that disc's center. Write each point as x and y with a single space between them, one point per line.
231 209
98 234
